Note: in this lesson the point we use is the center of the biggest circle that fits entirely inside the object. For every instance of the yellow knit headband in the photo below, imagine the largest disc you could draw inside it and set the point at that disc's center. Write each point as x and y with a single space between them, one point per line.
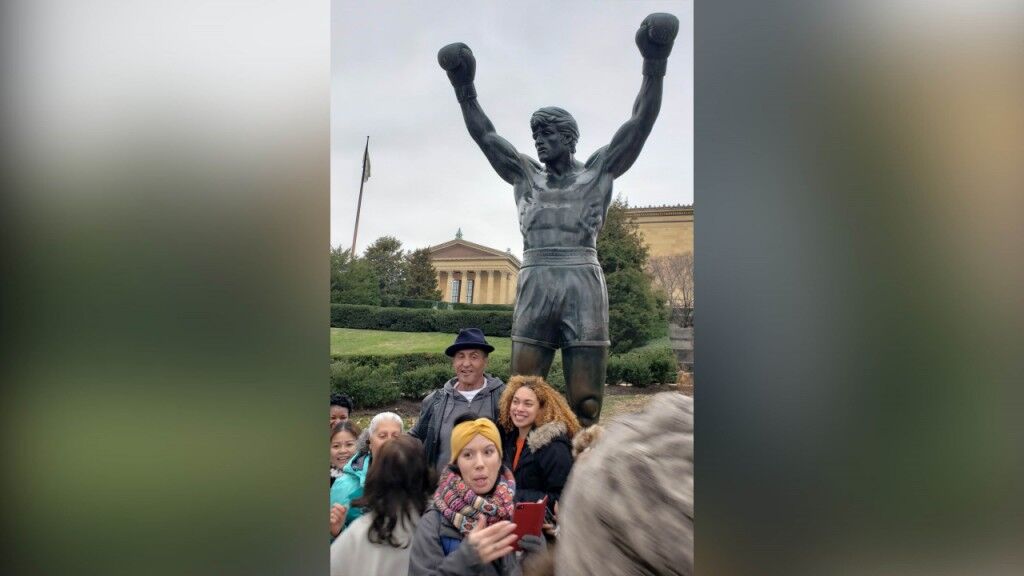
464 432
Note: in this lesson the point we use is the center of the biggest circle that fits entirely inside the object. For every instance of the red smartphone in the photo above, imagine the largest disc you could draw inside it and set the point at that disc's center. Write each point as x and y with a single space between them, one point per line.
528 518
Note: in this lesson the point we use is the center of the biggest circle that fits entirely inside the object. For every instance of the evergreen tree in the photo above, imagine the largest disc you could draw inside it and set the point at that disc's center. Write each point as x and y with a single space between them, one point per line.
422 280
352 280
387 260
636 312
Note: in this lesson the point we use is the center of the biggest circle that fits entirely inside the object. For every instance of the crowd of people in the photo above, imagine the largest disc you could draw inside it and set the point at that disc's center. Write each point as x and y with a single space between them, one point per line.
441 498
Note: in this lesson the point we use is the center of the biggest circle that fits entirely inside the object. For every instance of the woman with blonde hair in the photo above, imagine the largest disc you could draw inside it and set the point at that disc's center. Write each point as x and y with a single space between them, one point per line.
539 428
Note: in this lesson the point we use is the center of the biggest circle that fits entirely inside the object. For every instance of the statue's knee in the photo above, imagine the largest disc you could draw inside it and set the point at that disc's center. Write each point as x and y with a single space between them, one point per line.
589 409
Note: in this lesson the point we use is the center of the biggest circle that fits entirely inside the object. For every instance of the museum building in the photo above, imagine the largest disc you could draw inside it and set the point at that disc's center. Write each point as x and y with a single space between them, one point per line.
476 274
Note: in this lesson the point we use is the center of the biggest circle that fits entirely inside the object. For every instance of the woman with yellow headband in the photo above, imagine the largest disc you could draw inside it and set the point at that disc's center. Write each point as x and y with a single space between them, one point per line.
467 529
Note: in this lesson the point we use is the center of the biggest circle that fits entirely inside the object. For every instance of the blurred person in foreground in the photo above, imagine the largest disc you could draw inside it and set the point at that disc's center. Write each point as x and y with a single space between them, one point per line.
383 428
631 499
471 391
467 528
398 487
539 427
344 440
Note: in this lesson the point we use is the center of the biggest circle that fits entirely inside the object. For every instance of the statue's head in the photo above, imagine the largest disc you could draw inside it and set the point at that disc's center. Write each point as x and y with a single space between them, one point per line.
561 121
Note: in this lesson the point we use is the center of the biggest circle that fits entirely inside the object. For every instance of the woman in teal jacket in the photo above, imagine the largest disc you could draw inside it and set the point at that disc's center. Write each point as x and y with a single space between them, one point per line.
383 427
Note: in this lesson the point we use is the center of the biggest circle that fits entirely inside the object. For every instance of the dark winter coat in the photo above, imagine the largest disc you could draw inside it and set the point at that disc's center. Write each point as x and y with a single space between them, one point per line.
427 557
544 463
440 409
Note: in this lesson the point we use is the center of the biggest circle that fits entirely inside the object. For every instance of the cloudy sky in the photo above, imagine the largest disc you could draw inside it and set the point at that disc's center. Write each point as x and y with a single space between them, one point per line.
428 177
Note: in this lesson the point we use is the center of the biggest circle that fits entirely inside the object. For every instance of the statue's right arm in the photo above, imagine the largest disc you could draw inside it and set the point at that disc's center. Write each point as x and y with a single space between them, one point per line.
500 153
457 59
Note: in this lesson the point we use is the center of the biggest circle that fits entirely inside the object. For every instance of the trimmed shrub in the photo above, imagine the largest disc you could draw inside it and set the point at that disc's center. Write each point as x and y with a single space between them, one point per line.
499 368
405 320
636 371
643 367
663 365
464 306
402 362
613 372
416 384
377 318
556 378
492 322
413 303
368 386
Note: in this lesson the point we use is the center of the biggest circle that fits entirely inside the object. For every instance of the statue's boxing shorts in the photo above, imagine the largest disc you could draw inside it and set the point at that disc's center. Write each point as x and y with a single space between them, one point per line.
561 299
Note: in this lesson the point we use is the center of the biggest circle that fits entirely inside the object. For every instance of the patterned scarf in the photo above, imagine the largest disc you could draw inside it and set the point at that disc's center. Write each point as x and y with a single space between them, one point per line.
463 508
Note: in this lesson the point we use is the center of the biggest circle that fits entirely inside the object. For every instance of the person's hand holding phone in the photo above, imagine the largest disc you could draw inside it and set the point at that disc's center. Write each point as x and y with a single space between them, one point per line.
529 517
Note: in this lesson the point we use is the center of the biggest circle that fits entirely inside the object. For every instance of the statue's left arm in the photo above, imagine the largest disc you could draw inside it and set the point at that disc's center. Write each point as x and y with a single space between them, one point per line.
654 39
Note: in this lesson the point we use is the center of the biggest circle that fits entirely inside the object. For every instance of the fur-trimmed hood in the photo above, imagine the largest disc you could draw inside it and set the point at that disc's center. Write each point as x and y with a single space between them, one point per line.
541 436
363 442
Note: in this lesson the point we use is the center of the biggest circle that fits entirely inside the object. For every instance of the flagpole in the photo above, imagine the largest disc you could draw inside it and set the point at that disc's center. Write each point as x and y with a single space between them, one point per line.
359 206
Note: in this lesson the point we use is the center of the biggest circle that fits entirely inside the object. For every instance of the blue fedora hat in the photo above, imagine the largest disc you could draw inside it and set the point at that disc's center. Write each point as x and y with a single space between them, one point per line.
469 338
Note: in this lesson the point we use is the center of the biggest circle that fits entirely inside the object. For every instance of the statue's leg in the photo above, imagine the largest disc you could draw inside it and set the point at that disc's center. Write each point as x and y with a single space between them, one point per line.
531 359
584 368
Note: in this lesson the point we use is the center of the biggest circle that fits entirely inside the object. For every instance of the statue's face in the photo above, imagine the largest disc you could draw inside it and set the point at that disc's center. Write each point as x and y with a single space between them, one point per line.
550 144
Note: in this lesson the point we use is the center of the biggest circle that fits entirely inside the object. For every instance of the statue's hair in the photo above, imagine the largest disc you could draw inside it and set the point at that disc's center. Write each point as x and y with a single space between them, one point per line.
561 120
553 407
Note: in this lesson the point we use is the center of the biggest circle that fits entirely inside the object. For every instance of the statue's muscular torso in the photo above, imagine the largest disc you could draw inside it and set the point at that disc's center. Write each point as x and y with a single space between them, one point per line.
565 211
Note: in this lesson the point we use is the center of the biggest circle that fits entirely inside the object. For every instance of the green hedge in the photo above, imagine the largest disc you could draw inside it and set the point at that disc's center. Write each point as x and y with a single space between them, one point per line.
464 306
492 322
402 362
378 380
642 368
368 386
437 305
416 384
412 303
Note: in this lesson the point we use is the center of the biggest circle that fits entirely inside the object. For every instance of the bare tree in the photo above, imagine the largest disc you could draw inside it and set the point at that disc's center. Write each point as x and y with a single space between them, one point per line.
674 274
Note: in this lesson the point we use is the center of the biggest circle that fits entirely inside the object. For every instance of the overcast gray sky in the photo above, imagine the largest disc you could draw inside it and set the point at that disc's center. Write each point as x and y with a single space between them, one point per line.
428 177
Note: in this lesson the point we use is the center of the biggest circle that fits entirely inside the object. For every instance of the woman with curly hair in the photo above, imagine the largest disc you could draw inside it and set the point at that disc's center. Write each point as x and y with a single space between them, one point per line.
539 427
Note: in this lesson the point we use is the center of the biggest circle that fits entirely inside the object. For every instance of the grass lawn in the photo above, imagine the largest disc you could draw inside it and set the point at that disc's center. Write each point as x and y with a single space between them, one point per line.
349 341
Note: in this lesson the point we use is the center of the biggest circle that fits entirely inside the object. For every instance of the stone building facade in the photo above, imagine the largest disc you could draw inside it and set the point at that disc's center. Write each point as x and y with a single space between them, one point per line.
667 230
474 274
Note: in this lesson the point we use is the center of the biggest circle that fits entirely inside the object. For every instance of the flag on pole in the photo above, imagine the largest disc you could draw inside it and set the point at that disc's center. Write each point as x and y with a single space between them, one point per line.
366 161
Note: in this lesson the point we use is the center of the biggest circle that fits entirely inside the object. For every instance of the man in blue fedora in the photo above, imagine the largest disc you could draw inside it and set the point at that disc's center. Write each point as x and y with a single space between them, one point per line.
470 391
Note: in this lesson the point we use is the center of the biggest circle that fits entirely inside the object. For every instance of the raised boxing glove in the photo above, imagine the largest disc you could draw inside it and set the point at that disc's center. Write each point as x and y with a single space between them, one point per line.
458 61
654 39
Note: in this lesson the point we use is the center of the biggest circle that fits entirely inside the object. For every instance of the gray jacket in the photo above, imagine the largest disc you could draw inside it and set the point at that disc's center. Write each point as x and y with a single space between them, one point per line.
440 409
426 558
